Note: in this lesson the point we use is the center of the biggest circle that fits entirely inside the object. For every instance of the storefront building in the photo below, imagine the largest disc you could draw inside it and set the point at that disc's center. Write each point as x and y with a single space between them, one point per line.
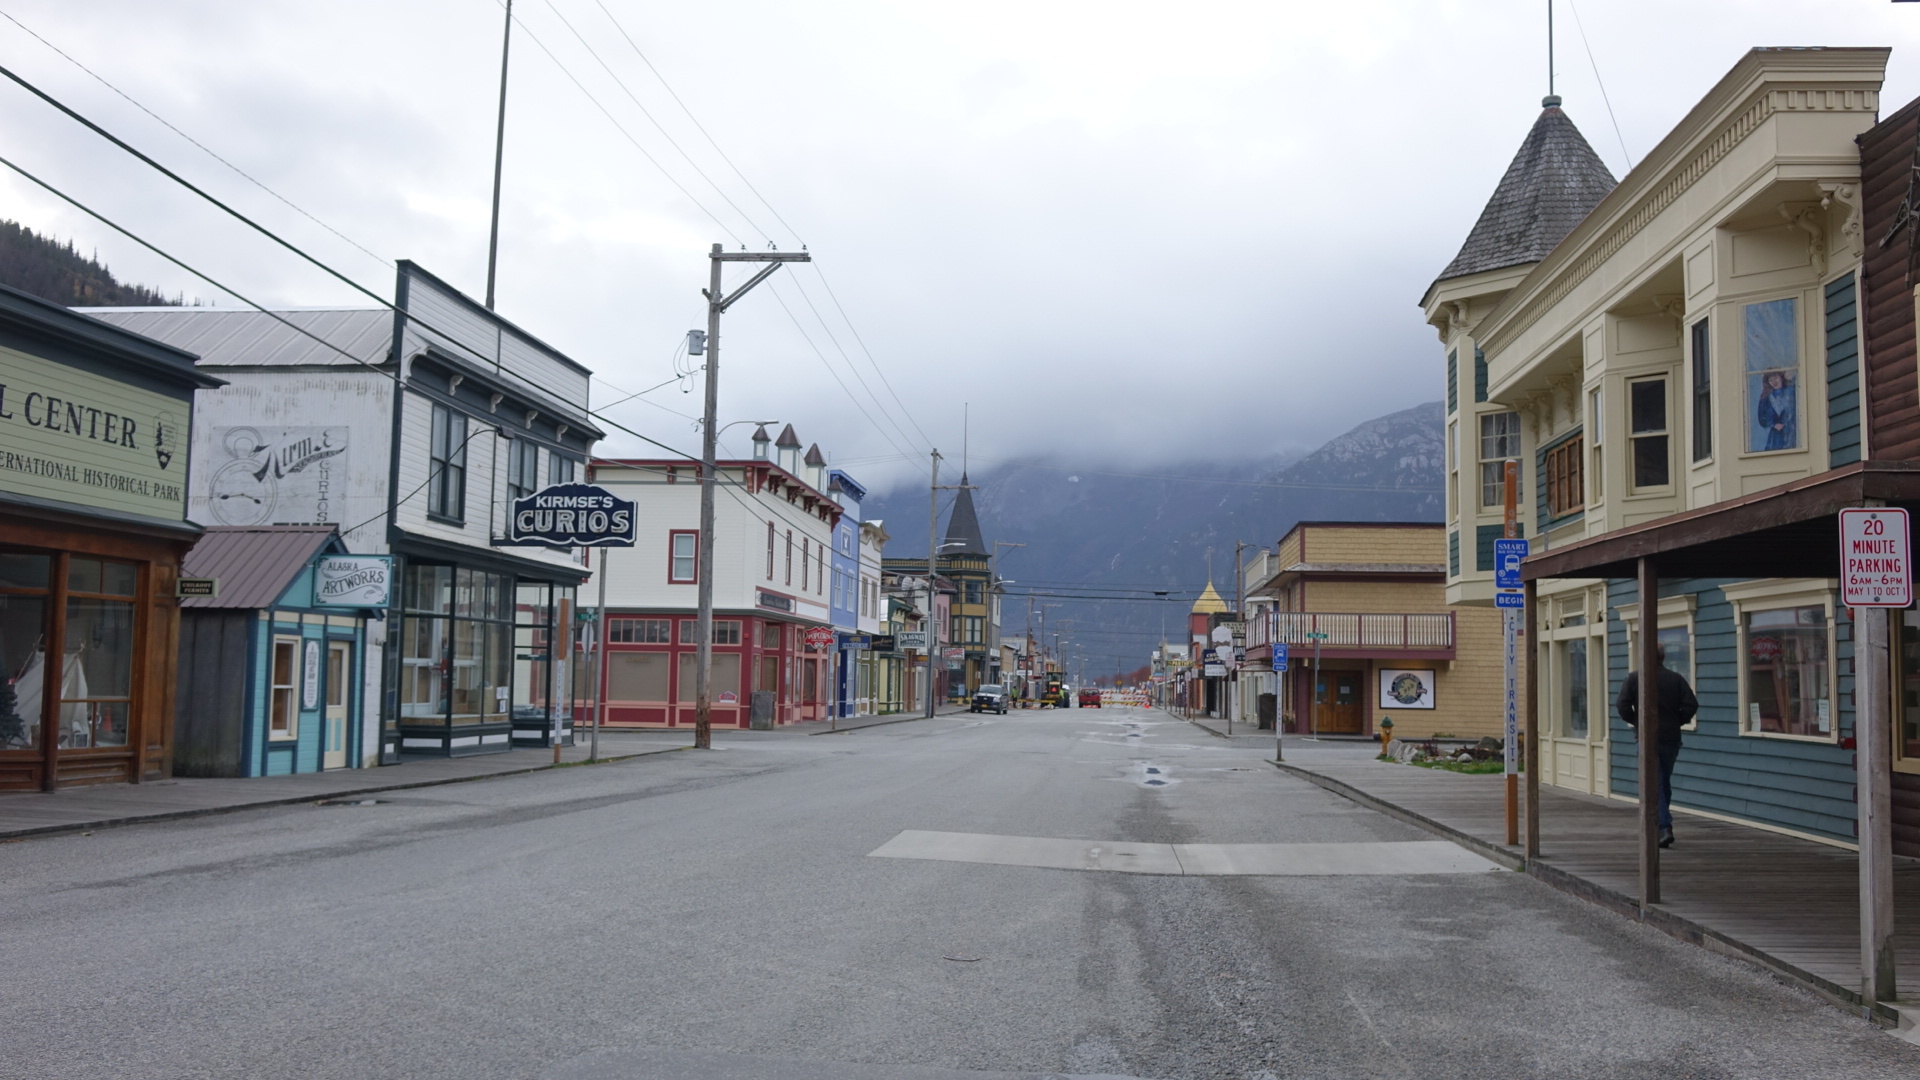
93 499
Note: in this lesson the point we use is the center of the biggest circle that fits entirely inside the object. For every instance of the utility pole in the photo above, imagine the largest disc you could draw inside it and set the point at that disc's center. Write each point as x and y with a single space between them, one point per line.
1240 616
499 153
709 448
933 551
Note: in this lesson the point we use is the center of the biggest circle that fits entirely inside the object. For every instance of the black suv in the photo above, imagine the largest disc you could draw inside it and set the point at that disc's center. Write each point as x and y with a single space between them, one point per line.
989 698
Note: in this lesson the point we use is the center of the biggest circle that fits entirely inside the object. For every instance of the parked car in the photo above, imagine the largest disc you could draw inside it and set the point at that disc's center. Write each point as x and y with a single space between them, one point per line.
1089 698
989 698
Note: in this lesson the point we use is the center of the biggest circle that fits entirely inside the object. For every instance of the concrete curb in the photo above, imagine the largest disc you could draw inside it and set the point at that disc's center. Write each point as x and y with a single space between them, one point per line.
351 793
1612 900
877 723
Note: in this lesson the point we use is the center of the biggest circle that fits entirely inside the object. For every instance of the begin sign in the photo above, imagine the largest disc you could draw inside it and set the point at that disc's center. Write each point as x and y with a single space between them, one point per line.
1876 565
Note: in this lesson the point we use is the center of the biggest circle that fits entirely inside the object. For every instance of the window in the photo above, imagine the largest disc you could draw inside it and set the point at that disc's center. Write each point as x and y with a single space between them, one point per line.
1702 393
1499 442
1565 492
725 631
637 676
523 468
969 629
820 569
559 469
683 557
1786 673
456 646
1575 668
1647 432
769 551
283 718
770 635
1773 369
1906 718
97 696
447 464
639 631
974 591
1596 431
806 561
724 673
789 556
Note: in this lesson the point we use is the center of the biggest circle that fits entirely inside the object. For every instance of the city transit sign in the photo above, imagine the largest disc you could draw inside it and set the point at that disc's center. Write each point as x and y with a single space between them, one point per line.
1876 563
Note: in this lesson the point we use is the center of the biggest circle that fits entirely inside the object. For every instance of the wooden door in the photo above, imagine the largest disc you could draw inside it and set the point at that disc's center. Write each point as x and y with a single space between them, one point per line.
1340 694
339 696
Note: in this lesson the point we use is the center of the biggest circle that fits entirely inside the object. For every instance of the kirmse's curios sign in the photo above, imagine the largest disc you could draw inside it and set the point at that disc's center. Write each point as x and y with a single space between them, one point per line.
571 515
1876 563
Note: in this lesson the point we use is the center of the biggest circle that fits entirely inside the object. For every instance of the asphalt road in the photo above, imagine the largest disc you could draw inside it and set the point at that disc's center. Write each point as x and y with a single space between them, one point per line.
717 916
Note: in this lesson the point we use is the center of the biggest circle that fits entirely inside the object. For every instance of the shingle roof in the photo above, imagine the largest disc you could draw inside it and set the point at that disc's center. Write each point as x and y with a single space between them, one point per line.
234 336
1553 183
963 526
254 564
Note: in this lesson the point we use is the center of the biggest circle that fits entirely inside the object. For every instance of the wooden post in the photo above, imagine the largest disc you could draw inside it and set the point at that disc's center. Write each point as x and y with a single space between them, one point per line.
1649 733
1508 618
1532 767
1873 697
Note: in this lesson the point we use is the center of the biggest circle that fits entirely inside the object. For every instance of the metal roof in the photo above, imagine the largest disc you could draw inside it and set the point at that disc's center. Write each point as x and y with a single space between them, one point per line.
254 564
43 319
1553 183
234 337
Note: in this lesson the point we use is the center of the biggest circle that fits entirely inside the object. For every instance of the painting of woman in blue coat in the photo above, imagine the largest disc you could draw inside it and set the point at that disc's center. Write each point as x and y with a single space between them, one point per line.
1775 413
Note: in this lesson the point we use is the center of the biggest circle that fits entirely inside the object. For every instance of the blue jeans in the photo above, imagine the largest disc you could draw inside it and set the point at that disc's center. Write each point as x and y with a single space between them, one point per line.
1668 753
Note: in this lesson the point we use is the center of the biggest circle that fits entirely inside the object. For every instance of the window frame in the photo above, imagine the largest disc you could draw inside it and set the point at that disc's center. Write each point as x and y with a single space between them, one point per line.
1497 487
1674 612
1563 466
1700 388
1798 370
290 689
1664 433
1595 432
674 537
1782 595
447 465
561 469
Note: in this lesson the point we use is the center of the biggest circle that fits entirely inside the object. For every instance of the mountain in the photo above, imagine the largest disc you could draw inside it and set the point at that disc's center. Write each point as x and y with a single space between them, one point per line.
54 271
1101 539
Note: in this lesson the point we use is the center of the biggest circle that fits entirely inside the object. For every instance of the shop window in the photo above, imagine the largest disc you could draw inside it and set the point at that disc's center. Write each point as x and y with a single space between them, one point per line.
1566 494
1772 345
1906 739
725 679
725 631
447 465
1573 668
770 635
637 676
1788 674
283 718
1647 433
24 583
96 686
1702 392
639 631
523 468
456 655
768 676
1499 442
683 558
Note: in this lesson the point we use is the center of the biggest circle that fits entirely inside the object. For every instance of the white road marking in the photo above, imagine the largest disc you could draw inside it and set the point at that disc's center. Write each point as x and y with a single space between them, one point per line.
1262 860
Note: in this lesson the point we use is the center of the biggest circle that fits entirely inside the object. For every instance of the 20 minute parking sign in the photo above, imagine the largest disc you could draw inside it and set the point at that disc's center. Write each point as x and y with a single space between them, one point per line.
1876 564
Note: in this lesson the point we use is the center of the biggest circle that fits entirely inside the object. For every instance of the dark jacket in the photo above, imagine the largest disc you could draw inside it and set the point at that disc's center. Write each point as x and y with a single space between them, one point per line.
1677 703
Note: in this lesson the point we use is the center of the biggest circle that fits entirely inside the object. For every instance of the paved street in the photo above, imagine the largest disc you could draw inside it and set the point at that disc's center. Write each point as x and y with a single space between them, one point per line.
723 915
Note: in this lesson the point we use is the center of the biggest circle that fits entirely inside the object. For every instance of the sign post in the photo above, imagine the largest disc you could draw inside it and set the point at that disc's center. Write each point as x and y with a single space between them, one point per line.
1876 574
1508 552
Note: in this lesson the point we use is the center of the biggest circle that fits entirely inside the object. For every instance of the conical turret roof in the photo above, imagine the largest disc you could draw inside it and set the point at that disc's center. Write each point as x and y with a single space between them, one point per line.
1554 182
1210 602
814 456
788 438
963 526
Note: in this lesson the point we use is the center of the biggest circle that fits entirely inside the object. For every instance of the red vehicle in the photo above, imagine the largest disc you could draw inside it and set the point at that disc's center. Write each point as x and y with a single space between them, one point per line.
1089 699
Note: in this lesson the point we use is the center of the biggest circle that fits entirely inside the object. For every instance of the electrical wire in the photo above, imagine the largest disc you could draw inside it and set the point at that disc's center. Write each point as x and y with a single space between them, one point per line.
1603 86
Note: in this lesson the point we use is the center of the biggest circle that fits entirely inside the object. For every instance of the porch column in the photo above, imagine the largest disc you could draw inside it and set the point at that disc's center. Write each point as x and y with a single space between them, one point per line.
1872 731
1531 736
1649 733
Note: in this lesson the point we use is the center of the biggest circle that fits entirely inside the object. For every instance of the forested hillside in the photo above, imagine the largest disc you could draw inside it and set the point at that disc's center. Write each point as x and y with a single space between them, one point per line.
54 271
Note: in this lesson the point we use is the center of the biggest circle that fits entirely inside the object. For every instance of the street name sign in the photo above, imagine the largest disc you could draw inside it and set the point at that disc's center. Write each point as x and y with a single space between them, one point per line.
570 515
1876 564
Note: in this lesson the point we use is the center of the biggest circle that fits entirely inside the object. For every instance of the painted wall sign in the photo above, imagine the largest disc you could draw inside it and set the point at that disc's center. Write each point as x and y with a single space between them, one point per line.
1876 564
1406 688
352 580
310 676
77 437
774 601
570 515
277 476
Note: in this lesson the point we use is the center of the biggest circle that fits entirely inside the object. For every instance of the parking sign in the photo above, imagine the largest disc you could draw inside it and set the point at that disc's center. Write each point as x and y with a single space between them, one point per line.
1876 567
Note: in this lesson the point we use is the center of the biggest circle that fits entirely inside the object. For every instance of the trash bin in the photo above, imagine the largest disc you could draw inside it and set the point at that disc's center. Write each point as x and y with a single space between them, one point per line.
1269 706
760 710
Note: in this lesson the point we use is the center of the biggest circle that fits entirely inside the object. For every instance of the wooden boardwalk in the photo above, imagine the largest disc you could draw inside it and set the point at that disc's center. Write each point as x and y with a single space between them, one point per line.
1790 904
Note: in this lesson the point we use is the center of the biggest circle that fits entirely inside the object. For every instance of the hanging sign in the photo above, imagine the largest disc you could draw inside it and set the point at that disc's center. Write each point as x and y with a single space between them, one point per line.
1876 566
363 581
819 637
915 640
310 676
570 515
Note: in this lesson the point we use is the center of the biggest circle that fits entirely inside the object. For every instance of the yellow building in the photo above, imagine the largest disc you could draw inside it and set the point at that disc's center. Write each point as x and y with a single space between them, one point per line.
1391 645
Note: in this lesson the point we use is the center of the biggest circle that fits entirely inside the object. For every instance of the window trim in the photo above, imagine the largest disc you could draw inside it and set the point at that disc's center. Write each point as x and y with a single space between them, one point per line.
519 469
1777 594
1700 389
291 688
1571 452
673 540
447 477
1800 404
1672 610
1594 426
1665 379
1480 450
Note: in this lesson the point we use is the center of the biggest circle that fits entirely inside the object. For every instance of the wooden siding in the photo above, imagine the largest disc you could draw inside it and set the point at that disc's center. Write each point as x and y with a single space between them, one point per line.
210 711
1799 785
1453 553
1479 374
1483 538
1391 543
1887 174
475 338
1843 372
1376 597
1453 381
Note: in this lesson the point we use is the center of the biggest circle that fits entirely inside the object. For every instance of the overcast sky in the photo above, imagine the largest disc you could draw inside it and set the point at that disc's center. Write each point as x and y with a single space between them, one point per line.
1140 233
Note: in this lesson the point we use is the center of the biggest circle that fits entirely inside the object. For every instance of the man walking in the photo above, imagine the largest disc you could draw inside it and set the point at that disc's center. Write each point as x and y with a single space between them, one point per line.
1677 706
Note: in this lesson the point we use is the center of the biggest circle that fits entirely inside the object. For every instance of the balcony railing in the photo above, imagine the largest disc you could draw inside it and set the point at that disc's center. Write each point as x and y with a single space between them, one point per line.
1355 630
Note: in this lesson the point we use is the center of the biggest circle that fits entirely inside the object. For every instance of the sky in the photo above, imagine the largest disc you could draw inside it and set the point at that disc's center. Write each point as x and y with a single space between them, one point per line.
1136 234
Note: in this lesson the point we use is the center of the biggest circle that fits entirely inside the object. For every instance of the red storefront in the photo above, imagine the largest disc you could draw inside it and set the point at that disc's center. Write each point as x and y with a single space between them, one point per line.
649 679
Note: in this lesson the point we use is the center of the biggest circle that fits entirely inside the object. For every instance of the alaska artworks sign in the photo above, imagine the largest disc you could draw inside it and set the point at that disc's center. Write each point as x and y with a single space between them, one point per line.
78 437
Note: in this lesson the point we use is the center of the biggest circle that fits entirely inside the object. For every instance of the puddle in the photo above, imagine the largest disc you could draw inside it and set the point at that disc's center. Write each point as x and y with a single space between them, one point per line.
1148 775
351 802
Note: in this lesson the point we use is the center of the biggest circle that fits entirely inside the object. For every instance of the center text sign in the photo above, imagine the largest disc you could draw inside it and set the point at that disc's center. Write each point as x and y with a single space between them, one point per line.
571 515
1876 565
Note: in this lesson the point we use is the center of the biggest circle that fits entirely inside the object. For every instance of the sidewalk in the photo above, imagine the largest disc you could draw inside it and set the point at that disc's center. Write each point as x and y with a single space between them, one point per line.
1788 904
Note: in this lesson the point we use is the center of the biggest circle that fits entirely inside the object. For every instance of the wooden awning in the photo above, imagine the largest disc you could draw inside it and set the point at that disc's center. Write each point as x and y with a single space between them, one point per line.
1785 531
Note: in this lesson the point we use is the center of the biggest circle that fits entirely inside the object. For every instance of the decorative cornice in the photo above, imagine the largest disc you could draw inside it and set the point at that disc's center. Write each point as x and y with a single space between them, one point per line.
1678 181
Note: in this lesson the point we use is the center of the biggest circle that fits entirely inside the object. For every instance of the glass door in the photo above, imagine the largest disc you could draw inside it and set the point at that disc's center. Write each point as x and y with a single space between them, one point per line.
333 740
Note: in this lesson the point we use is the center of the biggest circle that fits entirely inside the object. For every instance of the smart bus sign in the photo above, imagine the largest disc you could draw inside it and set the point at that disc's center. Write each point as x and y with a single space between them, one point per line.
570 515
1876 564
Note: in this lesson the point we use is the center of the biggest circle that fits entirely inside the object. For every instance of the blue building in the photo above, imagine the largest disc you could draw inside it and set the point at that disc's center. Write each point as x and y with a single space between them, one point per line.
849 643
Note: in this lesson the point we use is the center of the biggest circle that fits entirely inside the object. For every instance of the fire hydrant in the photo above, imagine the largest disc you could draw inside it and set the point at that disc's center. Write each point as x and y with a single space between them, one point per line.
1386 734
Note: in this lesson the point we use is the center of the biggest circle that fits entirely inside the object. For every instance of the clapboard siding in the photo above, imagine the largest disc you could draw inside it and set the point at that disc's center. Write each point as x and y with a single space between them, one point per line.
443 318
1803 786
1892 387
1843 372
